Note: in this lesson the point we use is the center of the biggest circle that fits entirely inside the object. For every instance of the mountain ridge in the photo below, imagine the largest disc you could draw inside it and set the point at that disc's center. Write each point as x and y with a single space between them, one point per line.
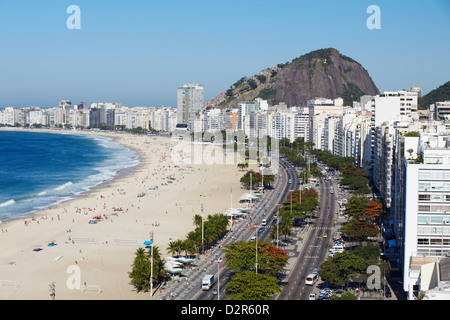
321 73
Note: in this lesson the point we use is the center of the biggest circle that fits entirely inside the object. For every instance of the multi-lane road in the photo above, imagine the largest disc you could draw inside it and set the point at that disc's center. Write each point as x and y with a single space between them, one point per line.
286 180
314 249
266 209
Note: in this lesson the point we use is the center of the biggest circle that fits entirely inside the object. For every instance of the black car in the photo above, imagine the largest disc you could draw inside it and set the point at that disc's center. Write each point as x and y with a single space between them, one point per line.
387 292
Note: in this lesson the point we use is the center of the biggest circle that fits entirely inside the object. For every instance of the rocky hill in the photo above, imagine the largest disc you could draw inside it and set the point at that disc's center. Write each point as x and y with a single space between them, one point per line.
321 73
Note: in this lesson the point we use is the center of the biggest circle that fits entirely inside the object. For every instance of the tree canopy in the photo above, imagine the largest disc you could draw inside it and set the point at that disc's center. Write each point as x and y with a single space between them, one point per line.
141 269
241 256
341 267
248 285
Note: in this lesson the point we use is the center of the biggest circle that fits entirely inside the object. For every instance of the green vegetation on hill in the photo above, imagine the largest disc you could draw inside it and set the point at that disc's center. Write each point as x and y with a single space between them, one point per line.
352 93
442 93
267 94
319 54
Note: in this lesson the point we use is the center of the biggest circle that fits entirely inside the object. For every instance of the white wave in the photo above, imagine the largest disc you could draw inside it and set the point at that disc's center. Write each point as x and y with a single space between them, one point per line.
43 193
7 203
61 187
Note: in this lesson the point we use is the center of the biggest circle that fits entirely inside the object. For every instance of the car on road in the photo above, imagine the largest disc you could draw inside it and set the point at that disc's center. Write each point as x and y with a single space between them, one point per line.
311 279
253 238
214 291
312 296
325 235
387 292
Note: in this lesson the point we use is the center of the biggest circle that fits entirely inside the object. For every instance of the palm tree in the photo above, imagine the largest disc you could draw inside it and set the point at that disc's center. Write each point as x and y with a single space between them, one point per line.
140 273
175 247
410 151
285 227
198 220
189 247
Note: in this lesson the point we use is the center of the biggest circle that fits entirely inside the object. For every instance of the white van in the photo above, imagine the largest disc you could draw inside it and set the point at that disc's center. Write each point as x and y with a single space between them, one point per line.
264 222
336 249
311 279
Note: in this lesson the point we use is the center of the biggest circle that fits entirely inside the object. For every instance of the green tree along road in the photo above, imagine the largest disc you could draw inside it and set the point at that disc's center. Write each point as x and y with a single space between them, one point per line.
141 269
363 216
248 285
351 263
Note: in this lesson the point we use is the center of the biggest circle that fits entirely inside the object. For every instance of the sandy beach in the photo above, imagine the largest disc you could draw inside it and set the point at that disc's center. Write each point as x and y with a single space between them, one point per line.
130 207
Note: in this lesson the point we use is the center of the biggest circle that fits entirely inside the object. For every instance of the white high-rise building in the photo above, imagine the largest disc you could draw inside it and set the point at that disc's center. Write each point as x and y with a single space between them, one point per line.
394 104
301 124
189 103
320 109
420 199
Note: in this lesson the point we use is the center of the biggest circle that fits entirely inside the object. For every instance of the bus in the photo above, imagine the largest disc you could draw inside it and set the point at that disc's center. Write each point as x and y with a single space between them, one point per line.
311 279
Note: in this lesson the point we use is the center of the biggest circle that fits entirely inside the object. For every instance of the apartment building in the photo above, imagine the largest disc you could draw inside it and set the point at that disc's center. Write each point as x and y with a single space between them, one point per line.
189 103
422 201
319 109
441 110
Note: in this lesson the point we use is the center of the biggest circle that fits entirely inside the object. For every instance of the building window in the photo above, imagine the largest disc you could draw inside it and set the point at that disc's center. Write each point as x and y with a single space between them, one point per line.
437 198
424 197
435 252
435 242
423 241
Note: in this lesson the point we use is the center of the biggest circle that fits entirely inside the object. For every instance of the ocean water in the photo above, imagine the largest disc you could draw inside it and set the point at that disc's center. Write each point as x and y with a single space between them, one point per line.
38 170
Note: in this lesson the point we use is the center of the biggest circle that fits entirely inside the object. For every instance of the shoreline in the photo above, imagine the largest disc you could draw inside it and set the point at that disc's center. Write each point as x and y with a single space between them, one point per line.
104 251
122 173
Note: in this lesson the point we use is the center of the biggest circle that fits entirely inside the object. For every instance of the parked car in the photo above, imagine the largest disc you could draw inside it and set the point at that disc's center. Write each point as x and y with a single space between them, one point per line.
387 292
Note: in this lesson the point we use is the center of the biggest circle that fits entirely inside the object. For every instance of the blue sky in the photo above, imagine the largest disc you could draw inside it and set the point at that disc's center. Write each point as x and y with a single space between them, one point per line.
138 52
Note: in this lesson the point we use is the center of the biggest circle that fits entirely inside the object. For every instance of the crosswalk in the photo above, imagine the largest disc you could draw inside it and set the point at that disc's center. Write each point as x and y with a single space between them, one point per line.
321 228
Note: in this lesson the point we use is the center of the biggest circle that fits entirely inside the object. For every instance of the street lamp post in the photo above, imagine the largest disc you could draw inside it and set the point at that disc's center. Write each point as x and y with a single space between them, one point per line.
256 262
231 194
203 229
291 200
218 275
151 265
278 224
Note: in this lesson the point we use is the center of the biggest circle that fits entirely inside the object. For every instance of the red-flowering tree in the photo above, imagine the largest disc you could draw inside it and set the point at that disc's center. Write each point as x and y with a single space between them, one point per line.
241 256
373 209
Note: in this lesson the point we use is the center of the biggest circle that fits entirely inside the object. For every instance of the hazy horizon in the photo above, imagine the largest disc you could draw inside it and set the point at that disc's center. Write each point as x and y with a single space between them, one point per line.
139 53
